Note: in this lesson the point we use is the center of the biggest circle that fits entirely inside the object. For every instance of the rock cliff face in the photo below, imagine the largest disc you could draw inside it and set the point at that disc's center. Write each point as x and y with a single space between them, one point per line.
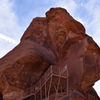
56 39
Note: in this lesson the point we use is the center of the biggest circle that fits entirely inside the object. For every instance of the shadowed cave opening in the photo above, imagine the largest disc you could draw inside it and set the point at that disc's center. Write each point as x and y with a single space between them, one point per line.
1 96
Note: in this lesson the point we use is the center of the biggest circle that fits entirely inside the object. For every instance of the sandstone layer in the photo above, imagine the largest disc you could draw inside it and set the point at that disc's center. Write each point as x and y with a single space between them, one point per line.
57 39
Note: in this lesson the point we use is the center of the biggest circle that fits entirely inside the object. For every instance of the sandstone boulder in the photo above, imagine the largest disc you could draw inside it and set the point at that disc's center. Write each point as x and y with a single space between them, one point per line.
57 39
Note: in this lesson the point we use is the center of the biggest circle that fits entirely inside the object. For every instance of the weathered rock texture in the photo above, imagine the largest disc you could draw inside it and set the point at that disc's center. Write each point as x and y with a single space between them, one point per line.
56 39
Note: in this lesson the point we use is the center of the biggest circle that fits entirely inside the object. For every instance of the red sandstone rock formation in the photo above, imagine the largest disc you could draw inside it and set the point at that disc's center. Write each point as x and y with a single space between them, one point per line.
57 39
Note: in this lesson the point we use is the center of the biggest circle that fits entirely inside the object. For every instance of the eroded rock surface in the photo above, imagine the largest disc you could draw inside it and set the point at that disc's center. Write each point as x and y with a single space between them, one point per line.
56 39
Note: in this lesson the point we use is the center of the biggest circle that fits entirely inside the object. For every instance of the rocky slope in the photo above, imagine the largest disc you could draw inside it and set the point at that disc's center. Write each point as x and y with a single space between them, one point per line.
57 39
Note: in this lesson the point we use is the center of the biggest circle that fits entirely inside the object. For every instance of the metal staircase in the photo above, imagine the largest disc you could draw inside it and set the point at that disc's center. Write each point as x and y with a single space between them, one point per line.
54 80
